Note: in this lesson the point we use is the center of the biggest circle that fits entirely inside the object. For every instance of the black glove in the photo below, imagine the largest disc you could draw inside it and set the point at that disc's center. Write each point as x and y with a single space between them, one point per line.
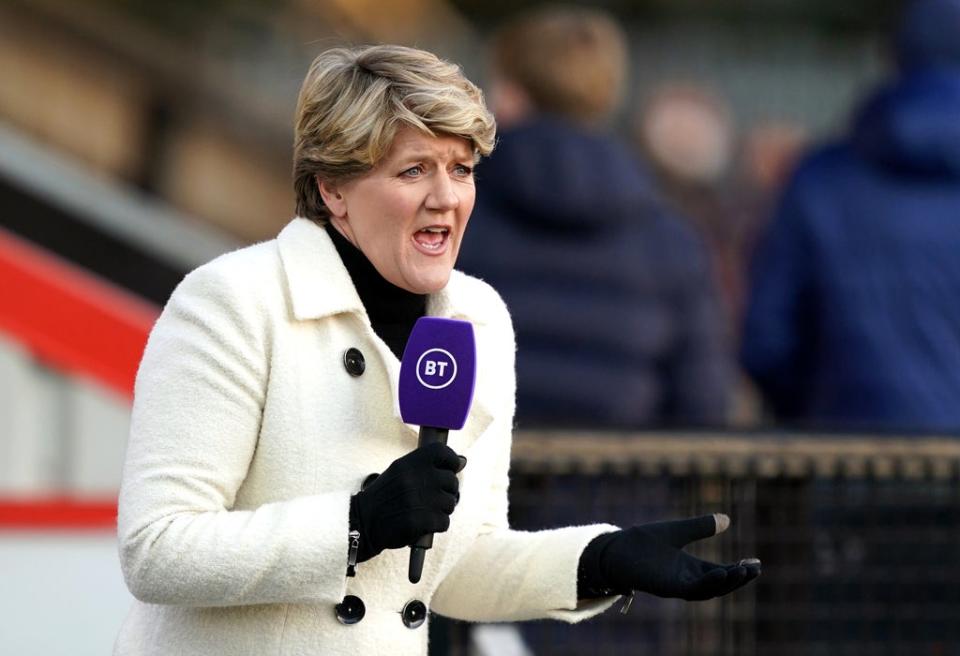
648 558
413 497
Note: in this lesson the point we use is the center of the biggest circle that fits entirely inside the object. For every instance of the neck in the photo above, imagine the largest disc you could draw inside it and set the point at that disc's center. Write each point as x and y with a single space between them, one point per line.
392 310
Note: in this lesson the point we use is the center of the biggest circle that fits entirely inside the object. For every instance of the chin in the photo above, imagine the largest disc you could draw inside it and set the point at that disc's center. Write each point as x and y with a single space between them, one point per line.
429 284
432 288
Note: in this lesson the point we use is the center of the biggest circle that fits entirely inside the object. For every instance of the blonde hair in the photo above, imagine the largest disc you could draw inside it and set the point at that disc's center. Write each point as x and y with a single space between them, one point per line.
571 61
353 101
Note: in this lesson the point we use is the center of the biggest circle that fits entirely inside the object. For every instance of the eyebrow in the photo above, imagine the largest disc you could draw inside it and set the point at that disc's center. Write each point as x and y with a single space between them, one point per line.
429 154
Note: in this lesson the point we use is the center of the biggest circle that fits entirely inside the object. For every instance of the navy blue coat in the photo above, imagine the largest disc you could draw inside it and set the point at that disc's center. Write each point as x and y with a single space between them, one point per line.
854 318
616 320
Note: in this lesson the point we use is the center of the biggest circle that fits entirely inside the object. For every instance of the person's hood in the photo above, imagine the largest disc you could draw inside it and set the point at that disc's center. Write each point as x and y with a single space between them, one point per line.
551 173
913 125
928 35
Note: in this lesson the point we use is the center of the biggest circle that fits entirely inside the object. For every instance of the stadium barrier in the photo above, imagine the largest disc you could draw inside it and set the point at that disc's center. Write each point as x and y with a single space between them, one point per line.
859 537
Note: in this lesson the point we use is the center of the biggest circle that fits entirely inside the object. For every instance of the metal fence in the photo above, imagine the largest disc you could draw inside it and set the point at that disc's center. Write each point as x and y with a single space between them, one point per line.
859 537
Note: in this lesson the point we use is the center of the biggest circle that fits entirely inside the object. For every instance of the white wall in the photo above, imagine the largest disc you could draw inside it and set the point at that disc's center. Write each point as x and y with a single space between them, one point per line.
59 435
63 594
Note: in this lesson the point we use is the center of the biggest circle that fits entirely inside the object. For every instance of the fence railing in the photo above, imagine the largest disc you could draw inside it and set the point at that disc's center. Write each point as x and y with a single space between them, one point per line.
859 537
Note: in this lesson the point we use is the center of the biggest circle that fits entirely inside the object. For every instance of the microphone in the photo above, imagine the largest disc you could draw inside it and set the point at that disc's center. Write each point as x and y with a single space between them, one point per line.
437 375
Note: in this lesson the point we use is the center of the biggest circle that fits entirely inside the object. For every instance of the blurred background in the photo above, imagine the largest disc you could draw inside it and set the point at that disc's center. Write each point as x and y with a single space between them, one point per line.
141 139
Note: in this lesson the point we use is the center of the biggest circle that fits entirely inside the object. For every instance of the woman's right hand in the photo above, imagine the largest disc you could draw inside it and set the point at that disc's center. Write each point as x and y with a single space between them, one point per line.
415 495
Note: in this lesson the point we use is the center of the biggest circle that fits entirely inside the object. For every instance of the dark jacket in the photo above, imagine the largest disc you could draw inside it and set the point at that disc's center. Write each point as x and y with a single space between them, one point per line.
854 320
616 321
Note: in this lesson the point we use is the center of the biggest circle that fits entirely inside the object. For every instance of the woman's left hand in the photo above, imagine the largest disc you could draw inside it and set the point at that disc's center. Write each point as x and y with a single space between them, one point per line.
650 558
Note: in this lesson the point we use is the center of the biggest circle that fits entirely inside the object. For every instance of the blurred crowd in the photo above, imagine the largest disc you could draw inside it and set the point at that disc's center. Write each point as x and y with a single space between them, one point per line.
642 276
696 272
678 249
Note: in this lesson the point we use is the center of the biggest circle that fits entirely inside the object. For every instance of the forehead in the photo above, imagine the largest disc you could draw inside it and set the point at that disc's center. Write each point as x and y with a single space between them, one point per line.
410 142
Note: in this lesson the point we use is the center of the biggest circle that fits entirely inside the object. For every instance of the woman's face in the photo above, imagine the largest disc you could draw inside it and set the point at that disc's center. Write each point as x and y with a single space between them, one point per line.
408 214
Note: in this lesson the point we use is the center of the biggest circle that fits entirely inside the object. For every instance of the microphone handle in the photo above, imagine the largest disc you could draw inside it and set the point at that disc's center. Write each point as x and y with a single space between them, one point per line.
428 435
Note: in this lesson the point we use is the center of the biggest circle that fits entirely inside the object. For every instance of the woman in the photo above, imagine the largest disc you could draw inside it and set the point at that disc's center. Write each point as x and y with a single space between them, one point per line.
267 396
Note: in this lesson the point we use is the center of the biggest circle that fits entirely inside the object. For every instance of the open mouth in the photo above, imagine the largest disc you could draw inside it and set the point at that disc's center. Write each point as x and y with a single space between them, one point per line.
432 238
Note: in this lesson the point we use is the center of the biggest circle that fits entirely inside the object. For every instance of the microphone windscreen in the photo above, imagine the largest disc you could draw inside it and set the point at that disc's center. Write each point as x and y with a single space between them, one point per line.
438 373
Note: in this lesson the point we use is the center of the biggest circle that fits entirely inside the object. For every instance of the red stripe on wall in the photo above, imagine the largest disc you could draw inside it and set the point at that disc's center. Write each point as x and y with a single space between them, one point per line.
58 514
69 318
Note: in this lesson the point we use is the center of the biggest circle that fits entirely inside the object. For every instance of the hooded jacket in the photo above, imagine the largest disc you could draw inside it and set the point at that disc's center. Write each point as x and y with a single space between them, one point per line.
616 320
854 319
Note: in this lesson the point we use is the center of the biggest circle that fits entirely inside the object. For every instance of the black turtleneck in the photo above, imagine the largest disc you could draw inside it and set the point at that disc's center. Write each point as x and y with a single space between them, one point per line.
392 310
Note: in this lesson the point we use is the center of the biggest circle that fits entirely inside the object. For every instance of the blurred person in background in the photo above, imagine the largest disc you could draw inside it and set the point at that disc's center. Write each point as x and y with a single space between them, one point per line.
721 183
270 488
716 179
687 133
770 150
617 322
854 313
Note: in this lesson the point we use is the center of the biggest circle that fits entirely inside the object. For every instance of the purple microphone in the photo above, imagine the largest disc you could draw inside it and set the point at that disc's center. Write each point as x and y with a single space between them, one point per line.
437 375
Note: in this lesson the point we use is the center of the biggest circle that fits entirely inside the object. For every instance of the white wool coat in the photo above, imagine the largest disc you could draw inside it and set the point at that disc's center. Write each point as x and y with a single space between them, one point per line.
247 439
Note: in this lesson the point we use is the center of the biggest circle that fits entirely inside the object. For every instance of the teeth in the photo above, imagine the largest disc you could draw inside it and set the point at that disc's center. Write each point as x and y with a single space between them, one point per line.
435 230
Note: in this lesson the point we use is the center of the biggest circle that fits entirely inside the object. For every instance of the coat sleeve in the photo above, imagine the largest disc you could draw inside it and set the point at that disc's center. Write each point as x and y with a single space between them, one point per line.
197 410
509 575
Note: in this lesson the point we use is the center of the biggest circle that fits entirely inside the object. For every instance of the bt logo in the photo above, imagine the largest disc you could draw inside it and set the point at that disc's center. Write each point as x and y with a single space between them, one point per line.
436 368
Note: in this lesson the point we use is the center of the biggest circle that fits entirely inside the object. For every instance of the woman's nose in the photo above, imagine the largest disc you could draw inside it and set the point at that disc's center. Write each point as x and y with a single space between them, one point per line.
443 195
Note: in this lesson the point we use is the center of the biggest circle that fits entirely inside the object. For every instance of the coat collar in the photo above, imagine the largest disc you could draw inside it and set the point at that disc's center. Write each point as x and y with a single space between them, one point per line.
320 286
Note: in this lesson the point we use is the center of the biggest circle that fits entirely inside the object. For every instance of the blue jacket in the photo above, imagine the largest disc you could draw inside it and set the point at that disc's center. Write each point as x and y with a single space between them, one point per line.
854 319
616 322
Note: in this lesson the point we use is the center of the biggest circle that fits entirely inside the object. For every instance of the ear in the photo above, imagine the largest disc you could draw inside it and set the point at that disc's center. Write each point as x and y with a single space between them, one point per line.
332 198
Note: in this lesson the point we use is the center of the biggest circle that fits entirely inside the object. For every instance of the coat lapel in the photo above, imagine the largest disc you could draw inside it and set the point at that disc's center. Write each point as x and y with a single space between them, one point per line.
318 283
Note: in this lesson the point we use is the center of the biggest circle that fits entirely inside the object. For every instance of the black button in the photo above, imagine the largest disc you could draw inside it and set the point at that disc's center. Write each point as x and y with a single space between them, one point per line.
414 614
353 362
368 480
351 610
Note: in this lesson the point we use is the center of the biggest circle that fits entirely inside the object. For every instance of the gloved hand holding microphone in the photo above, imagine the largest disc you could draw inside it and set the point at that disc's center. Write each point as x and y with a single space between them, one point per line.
414 496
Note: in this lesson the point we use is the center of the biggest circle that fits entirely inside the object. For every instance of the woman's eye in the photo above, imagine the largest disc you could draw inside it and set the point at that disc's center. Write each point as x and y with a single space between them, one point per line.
463 170
413 171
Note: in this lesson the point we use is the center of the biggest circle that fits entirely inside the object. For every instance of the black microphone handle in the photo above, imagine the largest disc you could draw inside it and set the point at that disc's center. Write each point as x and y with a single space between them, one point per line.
428 435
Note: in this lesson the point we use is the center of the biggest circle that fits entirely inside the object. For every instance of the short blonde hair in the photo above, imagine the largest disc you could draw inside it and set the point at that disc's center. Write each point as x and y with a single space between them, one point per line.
571 61
354 100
